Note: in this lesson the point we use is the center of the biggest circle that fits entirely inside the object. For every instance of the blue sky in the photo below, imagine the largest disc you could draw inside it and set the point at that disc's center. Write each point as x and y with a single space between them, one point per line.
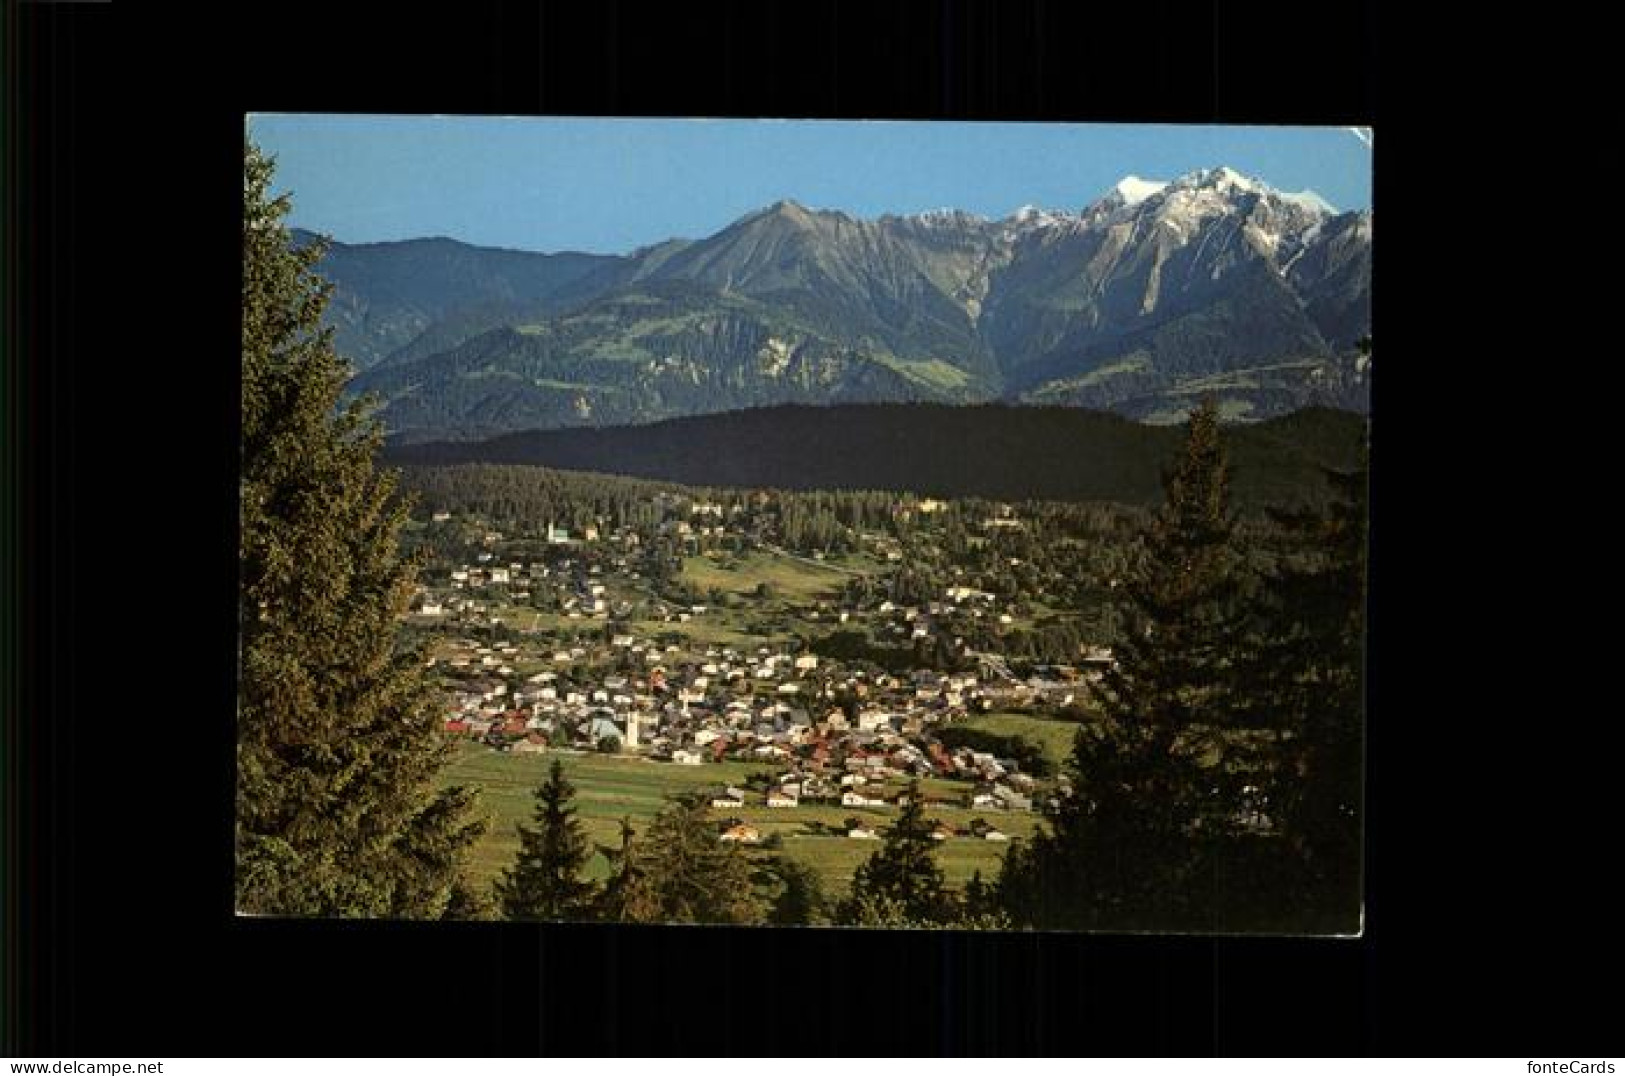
611 185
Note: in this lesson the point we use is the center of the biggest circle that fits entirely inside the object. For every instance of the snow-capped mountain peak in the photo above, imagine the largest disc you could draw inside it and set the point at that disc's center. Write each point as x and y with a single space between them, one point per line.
1132 190
1223 179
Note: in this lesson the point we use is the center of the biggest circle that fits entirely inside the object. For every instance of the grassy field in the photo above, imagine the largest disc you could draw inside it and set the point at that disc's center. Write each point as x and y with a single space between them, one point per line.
609 787
796 580
933 373
793 582
1055 735
714 627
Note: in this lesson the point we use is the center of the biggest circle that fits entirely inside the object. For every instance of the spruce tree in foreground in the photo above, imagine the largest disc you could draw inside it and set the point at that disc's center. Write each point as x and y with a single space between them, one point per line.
625 896
338 735
689 876
1307 680
545 881
902 882
468 902
800 900
1134 843
978 898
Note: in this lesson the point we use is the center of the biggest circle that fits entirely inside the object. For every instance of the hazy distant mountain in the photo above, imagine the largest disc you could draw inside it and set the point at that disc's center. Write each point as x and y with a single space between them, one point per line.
387 294
1146 298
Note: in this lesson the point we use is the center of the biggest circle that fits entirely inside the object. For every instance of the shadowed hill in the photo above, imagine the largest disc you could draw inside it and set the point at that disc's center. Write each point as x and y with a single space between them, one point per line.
993 451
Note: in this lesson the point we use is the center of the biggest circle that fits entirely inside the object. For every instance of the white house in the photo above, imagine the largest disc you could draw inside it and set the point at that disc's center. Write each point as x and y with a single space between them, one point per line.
1012 800
871 720
684 757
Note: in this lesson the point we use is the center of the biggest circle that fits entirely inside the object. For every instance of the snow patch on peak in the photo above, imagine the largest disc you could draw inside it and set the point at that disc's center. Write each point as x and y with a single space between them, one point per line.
1220 179
1225 179
1311 201
946 215
1031 216
1132 190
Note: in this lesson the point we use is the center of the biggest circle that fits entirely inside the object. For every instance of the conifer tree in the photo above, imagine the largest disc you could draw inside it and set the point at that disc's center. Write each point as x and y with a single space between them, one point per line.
978 898
545 881
338 733
1132 844
689 876
902 876
800 900
1306 675
624 897
468 902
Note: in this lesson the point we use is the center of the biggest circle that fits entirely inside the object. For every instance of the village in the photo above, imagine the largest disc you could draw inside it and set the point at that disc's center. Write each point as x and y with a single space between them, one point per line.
573 649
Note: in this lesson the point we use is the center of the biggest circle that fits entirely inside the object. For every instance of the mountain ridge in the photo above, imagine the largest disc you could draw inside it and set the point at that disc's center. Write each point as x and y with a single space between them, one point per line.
1211 282
999 451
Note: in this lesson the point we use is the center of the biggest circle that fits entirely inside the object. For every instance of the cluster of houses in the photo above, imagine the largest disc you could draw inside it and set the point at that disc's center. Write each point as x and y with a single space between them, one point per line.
734 830
835 734
580 592
723 704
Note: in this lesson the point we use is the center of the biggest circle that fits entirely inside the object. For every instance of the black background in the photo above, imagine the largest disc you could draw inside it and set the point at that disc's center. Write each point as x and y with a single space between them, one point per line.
129 149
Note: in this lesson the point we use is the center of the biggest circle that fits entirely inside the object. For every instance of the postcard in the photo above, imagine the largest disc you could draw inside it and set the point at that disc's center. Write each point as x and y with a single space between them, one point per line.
804 523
